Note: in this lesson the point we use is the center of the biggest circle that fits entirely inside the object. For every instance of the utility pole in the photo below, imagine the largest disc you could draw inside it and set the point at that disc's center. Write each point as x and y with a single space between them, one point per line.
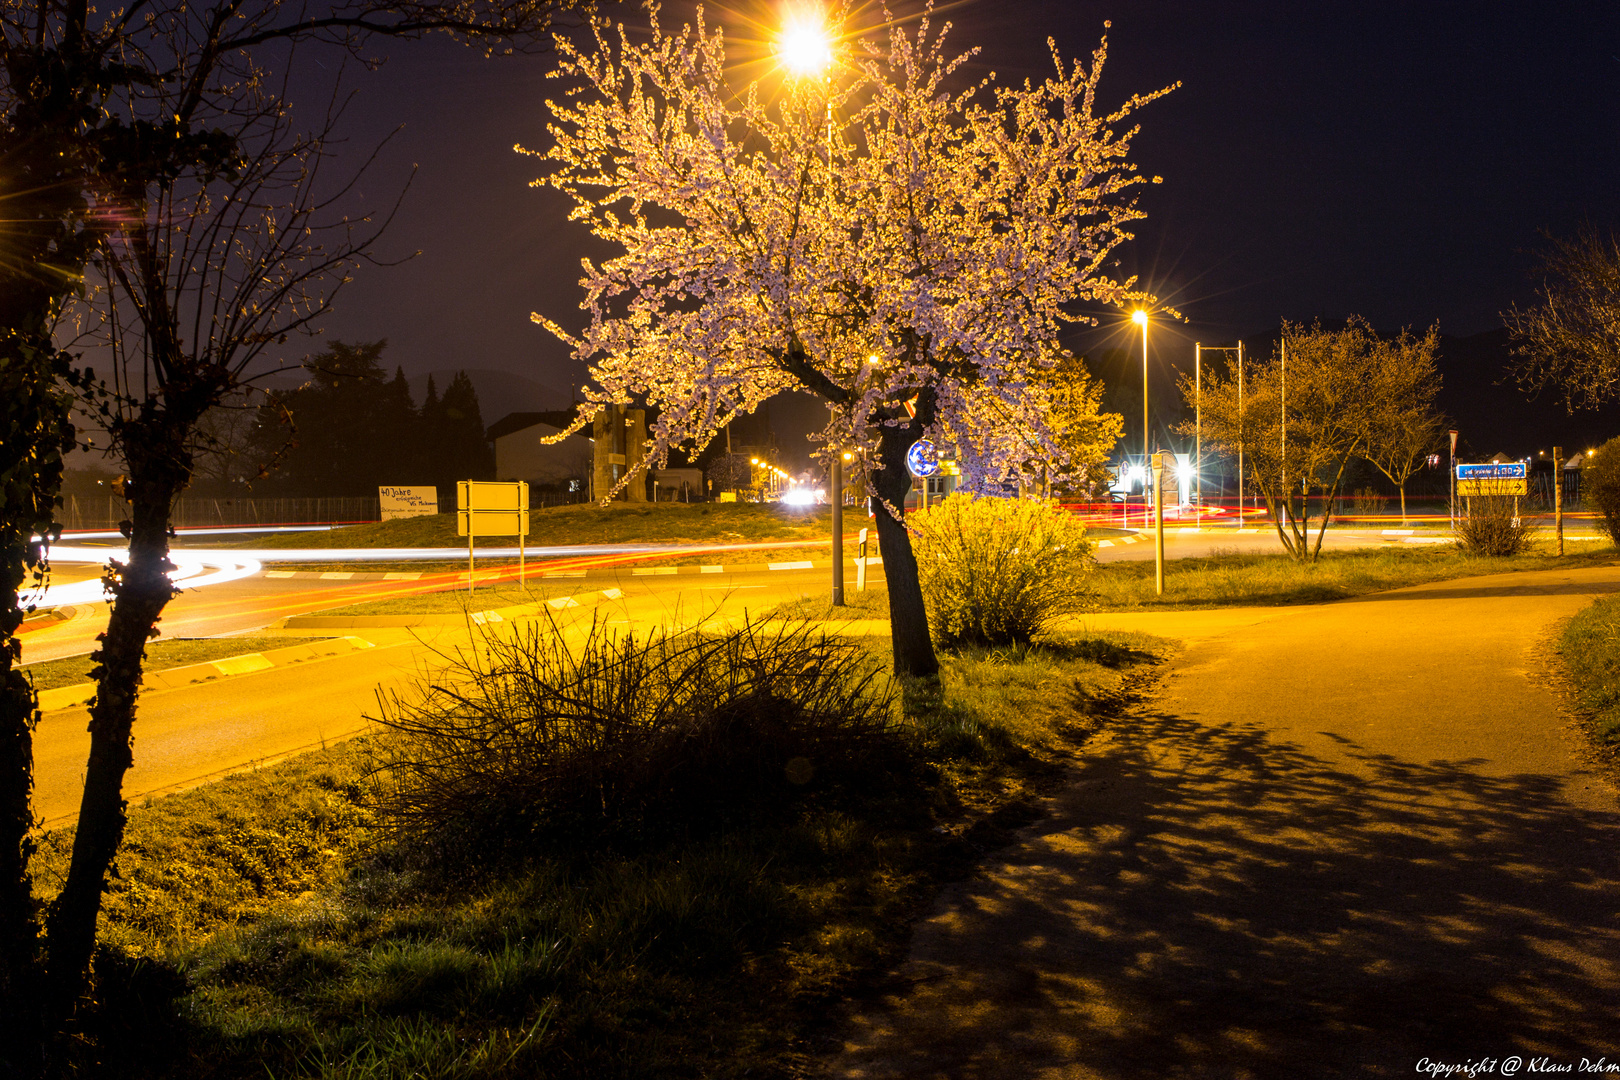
1558 495
1158 520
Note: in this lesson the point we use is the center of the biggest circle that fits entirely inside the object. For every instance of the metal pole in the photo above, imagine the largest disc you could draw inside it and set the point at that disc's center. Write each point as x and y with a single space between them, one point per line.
837 494
1241 505
1198 429
1146 450
1287 488
1158 520
1558 496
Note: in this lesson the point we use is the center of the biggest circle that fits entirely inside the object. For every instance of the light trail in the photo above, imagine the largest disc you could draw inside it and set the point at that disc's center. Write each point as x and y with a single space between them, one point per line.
190 569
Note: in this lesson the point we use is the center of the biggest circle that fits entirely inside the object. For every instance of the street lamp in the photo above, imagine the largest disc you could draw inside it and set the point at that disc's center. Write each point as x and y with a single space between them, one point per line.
805 46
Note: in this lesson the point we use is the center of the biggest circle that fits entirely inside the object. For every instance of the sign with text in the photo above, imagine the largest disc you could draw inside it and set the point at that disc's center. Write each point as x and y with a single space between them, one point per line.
1493 478
489 508
407 502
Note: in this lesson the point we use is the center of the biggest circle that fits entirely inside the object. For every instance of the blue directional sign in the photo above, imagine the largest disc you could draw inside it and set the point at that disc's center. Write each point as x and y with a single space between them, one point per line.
1494 470
1493 478
921 458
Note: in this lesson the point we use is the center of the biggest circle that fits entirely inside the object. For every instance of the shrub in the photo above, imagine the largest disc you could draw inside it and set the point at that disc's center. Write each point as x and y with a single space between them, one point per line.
997 571
626 736
1600 486
1490 526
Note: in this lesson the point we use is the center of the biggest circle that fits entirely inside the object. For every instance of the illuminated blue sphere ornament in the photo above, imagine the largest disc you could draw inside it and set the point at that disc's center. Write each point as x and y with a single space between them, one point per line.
921 459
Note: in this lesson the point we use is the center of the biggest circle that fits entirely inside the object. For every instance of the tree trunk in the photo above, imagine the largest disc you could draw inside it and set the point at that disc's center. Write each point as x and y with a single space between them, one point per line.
908 618
157 473
1402 486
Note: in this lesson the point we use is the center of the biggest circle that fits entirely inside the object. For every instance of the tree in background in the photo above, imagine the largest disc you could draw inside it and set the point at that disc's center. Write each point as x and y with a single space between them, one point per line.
352 430
1306 413
1570 338
1407 428
893 239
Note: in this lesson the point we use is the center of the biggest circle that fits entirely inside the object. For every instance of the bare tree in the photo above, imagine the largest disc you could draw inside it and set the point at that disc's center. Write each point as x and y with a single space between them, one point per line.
1406 427
99 110
1570 338
1305 413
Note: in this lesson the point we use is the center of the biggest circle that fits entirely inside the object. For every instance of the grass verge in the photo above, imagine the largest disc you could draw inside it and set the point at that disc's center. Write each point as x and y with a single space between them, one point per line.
1232 578
1590 647
307 943
160 656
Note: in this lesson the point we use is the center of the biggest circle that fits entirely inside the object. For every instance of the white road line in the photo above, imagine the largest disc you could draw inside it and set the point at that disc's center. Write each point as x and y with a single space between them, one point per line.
403 576
337 575
652 571
804 565
711 569
1105 543
281 573
563 602
563 573
611 594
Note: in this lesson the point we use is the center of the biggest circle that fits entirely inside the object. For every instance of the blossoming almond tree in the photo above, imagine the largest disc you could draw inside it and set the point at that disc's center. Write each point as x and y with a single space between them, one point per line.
887 235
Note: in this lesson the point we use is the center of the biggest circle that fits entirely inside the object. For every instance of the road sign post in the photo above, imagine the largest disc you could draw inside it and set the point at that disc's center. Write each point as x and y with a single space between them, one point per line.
837 494
860 564
489 508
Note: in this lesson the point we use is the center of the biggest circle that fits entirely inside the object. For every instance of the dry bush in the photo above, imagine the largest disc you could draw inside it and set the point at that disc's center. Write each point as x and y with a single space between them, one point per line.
525 736
1600 486
1491 527
997 571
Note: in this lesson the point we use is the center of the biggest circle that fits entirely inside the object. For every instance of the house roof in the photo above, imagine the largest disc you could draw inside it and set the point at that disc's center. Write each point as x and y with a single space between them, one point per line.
518 421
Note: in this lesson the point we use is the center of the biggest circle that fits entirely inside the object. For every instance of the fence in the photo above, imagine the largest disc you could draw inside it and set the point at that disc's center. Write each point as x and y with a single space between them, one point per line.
98 513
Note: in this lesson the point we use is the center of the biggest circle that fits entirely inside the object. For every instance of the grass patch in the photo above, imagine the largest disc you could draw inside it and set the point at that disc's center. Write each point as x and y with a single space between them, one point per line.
1591 651
453 600
618 523
871 604
1233 578
310 942
160 656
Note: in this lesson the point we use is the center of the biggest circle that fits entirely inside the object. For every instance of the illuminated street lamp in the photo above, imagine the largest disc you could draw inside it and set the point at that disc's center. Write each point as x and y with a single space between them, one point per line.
805 46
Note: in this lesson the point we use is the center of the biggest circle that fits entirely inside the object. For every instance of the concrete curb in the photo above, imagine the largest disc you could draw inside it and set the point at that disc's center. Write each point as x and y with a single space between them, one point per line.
65 697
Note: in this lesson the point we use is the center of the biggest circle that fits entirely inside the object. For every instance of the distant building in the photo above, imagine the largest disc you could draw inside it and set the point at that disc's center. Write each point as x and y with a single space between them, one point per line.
562 469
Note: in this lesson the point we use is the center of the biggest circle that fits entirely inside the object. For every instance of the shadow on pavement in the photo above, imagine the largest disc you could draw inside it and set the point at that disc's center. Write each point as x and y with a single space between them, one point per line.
1211 902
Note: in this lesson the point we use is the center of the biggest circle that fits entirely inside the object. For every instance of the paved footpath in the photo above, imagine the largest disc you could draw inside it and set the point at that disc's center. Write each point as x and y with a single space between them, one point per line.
1352 840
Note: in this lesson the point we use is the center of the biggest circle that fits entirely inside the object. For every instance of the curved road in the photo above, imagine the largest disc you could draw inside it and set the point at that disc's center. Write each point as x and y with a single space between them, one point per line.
1356 839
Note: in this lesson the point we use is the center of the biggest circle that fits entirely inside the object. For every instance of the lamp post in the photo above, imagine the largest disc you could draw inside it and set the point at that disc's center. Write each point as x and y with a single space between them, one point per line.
1140 317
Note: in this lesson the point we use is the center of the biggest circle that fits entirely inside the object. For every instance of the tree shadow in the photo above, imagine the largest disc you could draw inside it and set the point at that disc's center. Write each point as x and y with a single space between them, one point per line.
1212 901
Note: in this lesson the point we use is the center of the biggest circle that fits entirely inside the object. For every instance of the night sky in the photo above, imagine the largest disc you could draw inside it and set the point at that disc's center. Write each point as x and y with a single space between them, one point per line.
1393 160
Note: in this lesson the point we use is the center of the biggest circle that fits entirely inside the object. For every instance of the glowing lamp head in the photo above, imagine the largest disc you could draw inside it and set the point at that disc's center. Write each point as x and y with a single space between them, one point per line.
1139 317
805 46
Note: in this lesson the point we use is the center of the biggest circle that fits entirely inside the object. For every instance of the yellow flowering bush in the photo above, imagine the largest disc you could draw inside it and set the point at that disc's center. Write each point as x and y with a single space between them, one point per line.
996 571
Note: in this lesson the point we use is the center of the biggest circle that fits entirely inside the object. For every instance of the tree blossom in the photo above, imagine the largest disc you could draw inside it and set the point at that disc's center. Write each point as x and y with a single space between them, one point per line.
891 237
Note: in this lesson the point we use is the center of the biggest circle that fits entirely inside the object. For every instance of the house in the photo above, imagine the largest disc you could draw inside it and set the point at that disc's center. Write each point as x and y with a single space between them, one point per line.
521 454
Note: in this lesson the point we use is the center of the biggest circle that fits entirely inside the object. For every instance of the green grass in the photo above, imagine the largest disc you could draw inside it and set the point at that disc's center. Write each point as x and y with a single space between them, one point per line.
1233 579
454 600
873 603
310 944
160 656
1591 652
619 523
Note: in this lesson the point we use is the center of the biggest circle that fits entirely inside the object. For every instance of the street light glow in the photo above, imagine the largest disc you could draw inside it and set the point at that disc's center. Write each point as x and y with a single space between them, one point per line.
805 46
1139 317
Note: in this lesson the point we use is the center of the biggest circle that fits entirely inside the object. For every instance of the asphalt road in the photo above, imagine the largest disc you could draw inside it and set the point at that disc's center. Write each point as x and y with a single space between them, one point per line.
191 734
1359 839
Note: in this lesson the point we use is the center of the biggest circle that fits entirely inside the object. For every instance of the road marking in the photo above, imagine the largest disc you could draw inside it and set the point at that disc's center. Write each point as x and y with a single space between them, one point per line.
804 565
652 571
481 617
1189 528
563 573
337 575
711 569
242 665
281 573
563 602
727 588
1132 539
611 594
1398 532
403 575
1105 543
